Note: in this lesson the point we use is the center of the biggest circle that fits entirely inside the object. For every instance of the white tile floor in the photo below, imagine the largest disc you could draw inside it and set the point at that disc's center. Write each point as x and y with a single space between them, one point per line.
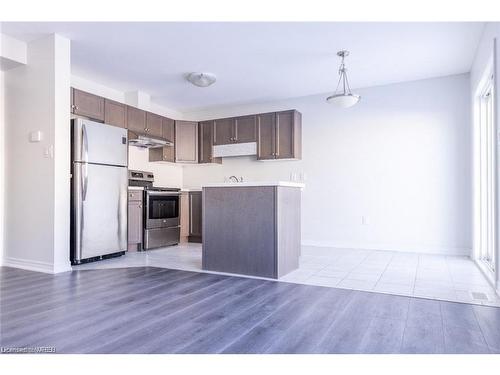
450 278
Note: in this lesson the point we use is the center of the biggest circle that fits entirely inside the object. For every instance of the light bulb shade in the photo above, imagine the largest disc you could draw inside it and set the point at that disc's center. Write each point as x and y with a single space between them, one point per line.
343 100
201 79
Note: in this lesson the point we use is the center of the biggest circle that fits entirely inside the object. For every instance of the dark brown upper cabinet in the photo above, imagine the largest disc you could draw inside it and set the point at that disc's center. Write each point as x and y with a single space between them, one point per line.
186 142
288 135
136 120
115 113
142 122
224 131
88 105
205 143
266 133
235 130
279 135
153 125
245 129
166 153
168 129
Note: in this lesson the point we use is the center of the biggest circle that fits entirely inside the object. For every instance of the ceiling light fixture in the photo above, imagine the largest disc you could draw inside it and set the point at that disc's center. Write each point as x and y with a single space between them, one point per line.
345 98
201 79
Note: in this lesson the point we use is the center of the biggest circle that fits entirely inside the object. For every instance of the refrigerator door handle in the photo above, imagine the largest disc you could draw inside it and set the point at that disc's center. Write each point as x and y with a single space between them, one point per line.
85 159
85 145
85 180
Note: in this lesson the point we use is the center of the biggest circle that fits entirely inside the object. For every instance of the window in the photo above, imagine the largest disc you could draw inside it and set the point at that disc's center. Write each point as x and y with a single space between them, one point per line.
487 176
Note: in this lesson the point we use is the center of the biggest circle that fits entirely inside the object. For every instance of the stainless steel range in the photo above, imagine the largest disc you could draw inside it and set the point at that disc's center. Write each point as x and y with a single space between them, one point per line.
161 211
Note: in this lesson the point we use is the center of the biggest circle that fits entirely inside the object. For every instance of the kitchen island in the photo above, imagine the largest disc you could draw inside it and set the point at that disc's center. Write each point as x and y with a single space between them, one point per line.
252 228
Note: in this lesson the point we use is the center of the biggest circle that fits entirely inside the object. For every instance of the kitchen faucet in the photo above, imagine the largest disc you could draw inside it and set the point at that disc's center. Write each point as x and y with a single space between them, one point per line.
235 179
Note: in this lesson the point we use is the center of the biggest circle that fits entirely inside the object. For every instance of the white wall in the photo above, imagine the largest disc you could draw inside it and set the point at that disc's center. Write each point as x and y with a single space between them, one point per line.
167 175
38 187
2 163
487 58
401 157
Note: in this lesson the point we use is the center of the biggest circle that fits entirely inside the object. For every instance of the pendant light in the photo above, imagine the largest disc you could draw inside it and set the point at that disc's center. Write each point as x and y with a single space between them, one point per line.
344 98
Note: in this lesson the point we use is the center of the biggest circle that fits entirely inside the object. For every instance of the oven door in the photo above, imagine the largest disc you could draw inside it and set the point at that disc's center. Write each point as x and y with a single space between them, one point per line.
162 209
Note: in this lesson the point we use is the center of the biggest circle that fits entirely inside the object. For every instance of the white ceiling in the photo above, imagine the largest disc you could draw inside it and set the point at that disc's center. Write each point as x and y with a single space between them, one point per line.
257 62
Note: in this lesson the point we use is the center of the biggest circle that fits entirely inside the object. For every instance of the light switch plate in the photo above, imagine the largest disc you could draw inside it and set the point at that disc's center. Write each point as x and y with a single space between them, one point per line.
48 152
36 136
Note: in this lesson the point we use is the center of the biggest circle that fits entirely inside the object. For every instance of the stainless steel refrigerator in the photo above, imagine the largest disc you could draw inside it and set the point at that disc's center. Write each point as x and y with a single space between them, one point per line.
98 190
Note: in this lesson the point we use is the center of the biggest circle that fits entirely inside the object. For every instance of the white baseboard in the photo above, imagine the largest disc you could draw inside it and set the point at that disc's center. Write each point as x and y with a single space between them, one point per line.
35 265
460 251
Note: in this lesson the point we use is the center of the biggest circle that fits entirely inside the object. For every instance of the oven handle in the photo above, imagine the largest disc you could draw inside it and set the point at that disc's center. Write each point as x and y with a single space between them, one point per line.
166 193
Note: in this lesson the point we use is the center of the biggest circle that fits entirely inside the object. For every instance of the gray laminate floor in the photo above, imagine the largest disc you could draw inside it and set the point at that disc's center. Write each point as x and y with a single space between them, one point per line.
441 277
158 310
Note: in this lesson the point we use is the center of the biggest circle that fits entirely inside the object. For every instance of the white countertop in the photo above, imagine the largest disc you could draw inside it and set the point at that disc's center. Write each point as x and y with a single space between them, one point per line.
191 189
135 188
257 183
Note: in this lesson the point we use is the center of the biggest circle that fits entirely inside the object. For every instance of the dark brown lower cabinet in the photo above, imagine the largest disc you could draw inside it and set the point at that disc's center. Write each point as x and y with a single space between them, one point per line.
135 225
195 216
251 230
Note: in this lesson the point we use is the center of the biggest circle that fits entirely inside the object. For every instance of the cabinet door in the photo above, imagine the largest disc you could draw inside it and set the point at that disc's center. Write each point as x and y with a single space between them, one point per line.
224 131
154 125
245 129
266 134
115 113
195 216
134 222
168 133
168 129
184 216
136 120
186 141
88 105
284 135
205 140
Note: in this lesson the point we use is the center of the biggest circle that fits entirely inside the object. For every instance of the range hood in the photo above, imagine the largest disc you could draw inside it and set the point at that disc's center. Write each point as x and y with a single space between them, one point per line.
144 141
235 149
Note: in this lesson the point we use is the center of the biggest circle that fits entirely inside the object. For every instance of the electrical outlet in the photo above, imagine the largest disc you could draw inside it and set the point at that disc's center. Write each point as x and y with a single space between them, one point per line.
365 220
